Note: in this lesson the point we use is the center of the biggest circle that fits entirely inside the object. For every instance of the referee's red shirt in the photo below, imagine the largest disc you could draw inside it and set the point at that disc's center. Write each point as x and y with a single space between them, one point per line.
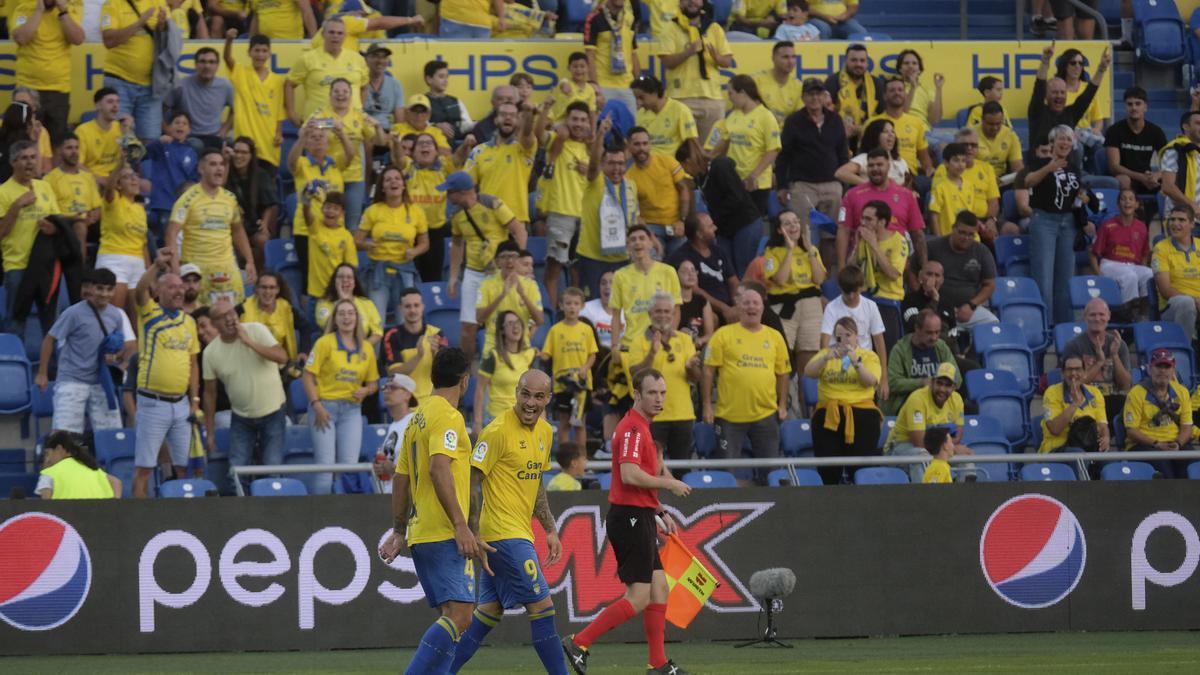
633 443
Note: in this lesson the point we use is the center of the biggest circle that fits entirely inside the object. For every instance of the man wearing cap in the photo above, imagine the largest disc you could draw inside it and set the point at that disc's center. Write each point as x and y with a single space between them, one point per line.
693 48
316 69
400 399
1158 414
934 405
1065 404
245 358
91 336
478 224
813 147
385 97
416 121
191 275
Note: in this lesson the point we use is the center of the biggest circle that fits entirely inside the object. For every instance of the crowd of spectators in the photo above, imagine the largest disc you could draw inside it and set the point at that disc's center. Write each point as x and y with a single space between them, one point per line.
682 223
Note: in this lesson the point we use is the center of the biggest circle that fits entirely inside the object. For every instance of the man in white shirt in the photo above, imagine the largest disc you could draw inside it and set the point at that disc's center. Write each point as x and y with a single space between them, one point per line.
865 313
400 398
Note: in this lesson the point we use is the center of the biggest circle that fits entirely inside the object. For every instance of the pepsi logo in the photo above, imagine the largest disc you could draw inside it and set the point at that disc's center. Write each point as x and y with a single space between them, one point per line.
45 571
1032 551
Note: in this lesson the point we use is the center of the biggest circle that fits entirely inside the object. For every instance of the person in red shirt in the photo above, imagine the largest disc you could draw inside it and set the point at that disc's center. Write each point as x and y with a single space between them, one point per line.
1122 250
906 213
638 474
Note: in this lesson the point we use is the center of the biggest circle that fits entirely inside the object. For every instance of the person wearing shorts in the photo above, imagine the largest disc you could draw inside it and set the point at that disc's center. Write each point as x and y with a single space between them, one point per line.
168 382
637 476
506 468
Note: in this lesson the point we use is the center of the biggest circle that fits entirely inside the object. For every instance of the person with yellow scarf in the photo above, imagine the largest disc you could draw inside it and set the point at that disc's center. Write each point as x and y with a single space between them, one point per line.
857 95
1180 161
846 422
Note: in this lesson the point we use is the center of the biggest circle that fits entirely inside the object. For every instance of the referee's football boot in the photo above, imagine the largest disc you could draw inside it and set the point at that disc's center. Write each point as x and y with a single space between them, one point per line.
577 656
668 668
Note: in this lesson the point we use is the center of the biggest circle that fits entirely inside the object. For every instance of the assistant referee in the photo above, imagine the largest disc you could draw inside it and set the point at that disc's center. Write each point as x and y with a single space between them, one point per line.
638 473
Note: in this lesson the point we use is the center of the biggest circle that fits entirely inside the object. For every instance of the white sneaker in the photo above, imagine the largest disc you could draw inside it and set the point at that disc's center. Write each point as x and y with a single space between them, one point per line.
602 454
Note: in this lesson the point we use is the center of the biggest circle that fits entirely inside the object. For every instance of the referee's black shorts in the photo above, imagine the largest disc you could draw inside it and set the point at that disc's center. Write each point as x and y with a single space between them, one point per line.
634 537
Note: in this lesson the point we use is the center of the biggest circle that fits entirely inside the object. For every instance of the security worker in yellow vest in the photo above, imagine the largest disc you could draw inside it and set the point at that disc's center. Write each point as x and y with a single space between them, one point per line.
71 472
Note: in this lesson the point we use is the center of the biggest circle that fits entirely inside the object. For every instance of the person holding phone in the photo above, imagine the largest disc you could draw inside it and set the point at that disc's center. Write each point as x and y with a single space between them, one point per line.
846 422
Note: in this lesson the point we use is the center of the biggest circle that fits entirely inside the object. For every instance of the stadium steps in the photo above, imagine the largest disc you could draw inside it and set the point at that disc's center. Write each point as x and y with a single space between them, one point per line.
938 19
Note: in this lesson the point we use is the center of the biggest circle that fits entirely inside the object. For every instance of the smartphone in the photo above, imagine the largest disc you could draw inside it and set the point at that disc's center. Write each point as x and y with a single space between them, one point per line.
323 123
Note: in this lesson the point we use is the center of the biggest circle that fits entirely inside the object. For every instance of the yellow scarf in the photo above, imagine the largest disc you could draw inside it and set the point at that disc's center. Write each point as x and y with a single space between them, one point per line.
836 410
866 262
1185 176
849 102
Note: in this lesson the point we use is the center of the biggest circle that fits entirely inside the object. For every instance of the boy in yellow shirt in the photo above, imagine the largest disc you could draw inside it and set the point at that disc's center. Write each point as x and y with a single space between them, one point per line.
571 347
329 243
939 444
572 457
953 194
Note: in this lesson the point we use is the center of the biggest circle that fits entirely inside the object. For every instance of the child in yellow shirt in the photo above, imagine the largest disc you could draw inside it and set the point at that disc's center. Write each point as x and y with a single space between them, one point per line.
940 444
571 347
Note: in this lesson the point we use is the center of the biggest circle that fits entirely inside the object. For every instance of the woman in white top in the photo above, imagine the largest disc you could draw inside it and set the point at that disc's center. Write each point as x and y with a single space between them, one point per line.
878 134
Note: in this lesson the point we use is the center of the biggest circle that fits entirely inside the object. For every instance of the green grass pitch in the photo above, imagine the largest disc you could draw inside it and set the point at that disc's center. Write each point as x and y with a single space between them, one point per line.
1076 653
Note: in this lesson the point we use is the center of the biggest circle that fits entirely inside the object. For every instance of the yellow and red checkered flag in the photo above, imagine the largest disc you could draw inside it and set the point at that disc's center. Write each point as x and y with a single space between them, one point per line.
689 581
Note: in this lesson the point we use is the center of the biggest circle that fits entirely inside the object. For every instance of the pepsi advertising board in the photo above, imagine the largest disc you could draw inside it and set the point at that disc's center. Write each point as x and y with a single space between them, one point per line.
222 574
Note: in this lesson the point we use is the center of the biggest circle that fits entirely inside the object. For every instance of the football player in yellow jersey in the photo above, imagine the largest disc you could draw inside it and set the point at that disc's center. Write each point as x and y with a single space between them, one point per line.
507 493
210 219
429 511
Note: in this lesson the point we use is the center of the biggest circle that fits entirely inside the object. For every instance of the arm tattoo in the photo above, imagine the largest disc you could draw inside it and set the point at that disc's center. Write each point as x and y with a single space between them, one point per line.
476 500
541 511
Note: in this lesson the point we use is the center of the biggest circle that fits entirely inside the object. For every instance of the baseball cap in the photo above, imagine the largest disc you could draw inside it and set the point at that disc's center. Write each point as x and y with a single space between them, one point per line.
353 6
459 180
379 47
947 371
419 100
189 268
404 382
813 84
1162 356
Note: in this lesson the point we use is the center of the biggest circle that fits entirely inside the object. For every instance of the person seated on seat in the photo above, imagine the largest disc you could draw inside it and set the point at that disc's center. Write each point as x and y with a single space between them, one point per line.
846 422
1121 251
835 18
1130 145
999 145
1177 270
1075 414
795 26
916 359
992 90
1105 356
1158 414
69 471
934 405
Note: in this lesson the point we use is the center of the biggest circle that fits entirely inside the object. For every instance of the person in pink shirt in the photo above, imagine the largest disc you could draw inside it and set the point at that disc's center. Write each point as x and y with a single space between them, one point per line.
906 213
1122 250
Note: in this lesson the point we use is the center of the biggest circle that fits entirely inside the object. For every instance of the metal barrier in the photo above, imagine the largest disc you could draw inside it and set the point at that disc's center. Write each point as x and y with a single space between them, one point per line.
271 470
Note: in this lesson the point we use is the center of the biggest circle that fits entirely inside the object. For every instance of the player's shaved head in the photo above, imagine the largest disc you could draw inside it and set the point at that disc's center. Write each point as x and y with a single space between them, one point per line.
533 395
535 380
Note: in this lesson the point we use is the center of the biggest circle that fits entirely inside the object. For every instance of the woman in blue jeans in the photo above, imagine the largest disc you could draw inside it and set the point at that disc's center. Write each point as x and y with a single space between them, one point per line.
393 232
1054 188
340 374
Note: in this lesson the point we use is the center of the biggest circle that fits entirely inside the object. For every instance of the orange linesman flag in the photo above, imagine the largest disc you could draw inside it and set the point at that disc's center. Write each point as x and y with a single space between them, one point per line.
690 582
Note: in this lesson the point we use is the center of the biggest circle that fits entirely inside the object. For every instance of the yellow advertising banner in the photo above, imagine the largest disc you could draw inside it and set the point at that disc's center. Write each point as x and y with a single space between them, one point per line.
477 67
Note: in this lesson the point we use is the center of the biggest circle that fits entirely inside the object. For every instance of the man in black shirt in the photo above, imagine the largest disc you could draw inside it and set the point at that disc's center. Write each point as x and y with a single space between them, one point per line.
408 348
813 147
714 264
1048 105
739 223
1131 143
970 273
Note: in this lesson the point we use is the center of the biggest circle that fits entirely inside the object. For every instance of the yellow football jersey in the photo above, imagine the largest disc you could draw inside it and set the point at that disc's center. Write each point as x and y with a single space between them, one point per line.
513 457
437 428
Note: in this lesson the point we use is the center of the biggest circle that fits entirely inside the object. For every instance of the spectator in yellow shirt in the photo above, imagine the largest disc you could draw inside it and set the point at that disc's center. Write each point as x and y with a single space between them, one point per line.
939 444
470 19
317 69
750 137
835 18
910 130
345 285
999 145
953 194
258 111
329 243
316 175
270 306
282 19
393 233
44 34
361 132
75 188
694 49
100 138
127 29
572 458
612 51
669 122
123 247
562 190
778 85
664 192
1158 414
571 349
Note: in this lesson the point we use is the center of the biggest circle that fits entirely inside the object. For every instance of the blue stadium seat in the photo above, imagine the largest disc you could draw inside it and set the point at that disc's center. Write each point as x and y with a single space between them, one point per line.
216 469
809 386
795 438
705 438
1031 318
604 480
1047 471
372 440
710 479
224 436
16 374
1004 347
297 400
779 477
981 427
447 321
1064 333
298 449
1106 196
1012 251
1008 208
538 246
114 444
960 117
277 487
1127 471
1193 471
280 254
1151 335
998 396
830 290
1009 288
1160 35
436 295
41 406
185 488
26 481
991 472
1084 288
880 475
807 477
12 460
721 10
